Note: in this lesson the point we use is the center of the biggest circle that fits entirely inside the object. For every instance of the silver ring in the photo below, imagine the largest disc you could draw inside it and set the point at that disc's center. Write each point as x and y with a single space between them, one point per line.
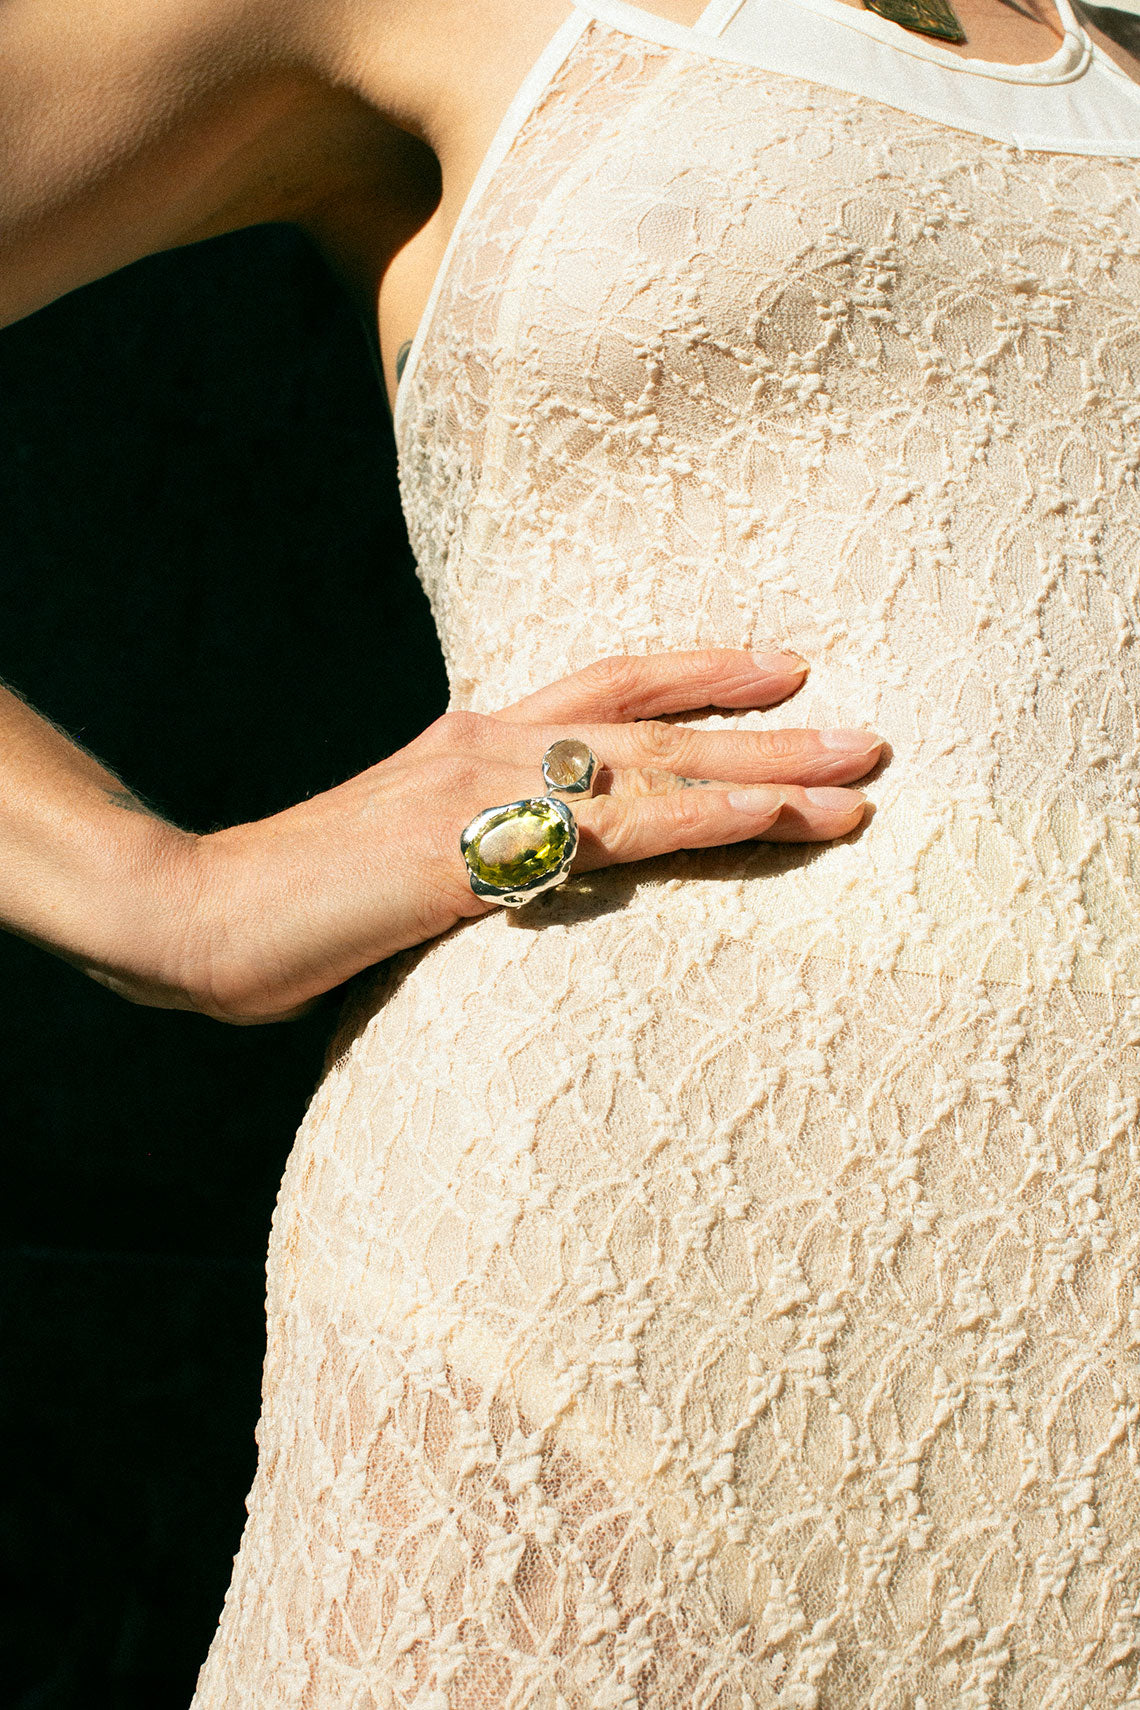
517 851
569 768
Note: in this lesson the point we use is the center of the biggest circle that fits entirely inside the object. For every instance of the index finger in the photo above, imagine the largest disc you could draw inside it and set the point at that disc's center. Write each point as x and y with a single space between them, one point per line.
628 686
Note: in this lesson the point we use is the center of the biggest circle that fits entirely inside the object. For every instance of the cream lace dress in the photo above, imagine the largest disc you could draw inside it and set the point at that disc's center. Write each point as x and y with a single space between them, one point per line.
718 1285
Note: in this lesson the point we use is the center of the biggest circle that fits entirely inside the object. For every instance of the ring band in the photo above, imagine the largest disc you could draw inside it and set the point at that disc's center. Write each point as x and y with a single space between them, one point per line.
517 851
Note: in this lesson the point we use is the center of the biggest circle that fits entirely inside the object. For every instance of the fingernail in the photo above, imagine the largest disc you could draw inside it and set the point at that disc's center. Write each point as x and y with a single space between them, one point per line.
782 663
852 741
836 801
754 801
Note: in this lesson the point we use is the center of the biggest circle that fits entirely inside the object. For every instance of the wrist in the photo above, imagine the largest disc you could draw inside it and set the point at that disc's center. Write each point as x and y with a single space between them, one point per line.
131 917
239 960
188 922
288 908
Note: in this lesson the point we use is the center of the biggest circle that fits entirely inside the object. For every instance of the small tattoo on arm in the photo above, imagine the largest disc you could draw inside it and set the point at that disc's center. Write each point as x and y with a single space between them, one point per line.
402 355
124 798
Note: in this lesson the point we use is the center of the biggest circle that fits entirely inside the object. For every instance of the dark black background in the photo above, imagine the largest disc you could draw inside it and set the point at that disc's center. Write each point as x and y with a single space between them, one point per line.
203 576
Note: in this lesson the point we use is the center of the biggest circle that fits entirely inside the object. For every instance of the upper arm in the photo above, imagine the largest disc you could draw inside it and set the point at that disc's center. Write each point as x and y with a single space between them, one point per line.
130 126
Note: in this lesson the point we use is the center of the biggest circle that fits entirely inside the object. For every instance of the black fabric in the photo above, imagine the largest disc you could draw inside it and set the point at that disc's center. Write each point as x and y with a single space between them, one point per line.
203 576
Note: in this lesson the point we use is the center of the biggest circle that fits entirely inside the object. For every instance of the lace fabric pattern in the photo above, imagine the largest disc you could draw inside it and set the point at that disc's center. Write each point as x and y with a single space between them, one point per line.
717 1285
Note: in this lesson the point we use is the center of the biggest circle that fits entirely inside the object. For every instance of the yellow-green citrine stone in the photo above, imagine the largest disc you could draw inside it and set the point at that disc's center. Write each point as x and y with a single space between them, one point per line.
518 844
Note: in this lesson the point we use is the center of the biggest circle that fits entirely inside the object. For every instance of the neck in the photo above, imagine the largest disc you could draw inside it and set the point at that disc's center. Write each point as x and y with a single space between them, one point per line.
1006 32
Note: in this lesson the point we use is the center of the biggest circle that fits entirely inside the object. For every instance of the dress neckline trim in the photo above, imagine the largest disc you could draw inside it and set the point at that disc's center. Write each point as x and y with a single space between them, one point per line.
1074 58
1070 61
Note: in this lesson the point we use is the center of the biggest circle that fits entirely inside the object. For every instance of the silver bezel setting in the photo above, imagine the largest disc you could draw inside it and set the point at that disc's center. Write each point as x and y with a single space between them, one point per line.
516 896
583 785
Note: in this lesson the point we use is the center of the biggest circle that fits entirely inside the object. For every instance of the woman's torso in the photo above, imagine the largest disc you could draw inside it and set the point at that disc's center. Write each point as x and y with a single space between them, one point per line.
716 1283
726 357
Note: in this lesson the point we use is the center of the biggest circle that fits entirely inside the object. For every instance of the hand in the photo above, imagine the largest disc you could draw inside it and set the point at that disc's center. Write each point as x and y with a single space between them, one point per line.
291 906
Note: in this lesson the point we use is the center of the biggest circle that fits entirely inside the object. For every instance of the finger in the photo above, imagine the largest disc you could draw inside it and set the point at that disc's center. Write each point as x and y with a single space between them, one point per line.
641 759
614 829
647 686
651 757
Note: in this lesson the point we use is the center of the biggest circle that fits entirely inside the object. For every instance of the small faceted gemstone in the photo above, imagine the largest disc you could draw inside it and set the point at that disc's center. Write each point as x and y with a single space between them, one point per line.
519 844
927 17
566 763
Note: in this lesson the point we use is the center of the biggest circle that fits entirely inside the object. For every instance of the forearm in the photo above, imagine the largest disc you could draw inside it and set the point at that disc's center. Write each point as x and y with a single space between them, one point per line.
86 871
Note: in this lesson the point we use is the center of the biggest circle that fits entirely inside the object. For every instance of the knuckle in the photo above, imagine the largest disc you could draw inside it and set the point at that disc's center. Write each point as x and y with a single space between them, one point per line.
612 825
645 781
664 745
689 811
782 744
617 679
709 667
462 730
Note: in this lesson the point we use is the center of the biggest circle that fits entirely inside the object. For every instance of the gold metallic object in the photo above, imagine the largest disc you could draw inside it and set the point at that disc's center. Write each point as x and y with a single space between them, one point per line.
926 17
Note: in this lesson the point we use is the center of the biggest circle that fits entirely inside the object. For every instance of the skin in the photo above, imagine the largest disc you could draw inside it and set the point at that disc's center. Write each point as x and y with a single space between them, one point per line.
253 922
139 125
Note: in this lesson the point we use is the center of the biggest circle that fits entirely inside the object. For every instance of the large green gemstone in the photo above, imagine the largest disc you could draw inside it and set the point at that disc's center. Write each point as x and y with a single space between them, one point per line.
519 843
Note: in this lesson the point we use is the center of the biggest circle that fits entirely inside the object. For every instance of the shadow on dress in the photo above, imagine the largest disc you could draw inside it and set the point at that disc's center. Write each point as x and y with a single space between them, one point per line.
586 897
